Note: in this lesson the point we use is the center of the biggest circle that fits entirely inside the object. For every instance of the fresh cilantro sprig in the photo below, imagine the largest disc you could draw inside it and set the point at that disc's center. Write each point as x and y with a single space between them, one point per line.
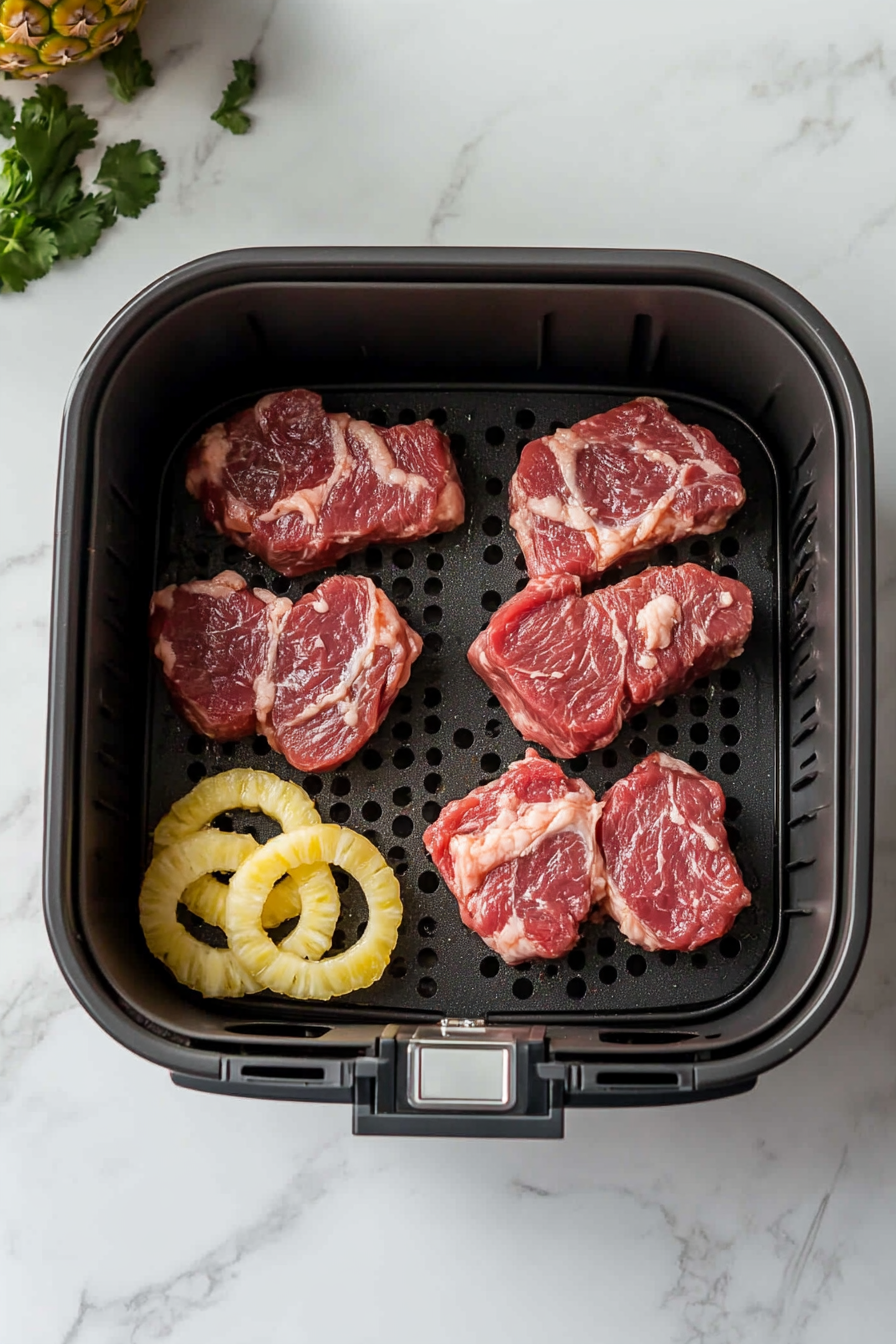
127 70
234 98
45 215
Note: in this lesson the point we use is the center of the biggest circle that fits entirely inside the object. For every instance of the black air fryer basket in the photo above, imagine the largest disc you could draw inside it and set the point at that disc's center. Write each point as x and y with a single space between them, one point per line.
497 347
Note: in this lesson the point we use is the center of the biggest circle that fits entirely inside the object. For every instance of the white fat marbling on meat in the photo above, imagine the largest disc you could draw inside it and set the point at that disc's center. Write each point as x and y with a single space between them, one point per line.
382 461
726 600
223 585
310 501
321 605
211 460
164 651
631 927
511 943
656 620
265 684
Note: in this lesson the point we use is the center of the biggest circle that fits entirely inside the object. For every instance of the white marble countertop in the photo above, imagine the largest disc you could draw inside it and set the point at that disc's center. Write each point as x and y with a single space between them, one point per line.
133 1211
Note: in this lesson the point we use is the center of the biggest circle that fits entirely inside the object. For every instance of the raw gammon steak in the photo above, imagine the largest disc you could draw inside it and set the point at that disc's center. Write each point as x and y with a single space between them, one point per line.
317 678
569 669
520 856
616 484
671 879
300 488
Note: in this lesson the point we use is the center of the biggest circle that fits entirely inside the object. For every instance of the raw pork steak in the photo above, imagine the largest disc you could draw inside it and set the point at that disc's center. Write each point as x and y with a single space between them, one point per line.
317 678
212 639
344 654
568 669
671 879
300 488
521 858
616 484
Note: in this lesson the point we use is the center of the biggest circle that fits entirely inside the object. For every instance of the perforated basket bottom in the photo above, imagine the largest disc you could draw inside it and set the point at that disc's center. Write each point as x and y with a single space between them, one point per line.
446 734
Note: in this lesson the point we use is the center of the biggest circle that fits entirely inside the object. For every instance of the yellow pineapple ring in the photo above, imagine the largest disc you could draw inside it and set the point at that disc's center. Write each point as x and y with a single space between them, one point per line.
214 971
285 968
207 898
243 790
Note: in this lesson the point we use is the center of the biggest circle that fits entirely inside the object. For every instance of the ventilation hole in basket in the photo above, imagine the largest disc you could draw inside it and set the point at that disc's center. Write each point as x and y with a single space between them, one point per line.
398 968
729 546
341 880
407 416
309 586
491 600
729 946
402 732
637 746
434 756
667 735
494 435
338 942
312 785
233 554
493 702
196 744
228 748
428 882
522 988
396 854
492 525
371 811
701 683
668 958
493 486
427 957
493 555
458 445
432 696
401 589
733 808
728 572
607 975
402 758
491 762
489 967
256 581
426 987
463 738
730 735
576 959
699 733
699 547
520 561
578 764
521 583
432 783
636 965
525 418
730 763
373 558
195 771
609 758
340 812
729 679
698 961
699 705
667 555
343 564
432 642
438 415
377 416
639 723
435 561
669 708
698 760
403 559
430 811
729 707
606 946
370 759
557 424
401 797
432 615
432 587
432 723
261 746
576 988
404 704
340 785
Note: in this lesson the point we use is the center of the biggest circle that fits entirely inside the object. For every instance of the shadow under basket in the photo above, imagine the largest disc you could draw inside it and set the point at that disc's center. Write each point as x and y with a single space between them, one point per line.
497 347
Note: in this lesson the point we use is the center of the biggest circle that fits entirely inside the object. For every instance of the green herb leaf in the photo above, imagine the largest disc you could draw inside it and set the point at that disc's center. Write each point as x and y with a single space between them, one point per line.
127 72
49 137
7 117
78 230
234 97
131 175
27 251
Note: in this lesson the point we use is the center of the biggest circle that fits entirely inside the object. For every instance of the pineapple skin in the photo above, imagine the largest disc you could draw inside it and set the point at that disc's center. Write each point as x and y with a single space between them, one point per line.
41 39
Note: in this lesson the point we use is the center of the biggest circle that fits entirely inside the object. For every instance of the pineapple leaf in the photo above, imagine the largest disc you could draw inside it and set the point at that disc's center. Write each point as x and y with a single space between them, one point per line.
27 251
235 96
131 175
7 118
127 71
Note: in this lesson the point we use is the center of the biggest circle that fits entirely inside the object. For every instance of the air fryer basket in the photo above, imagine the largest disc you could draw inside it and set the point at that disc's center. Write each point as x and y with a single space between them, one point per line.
498 346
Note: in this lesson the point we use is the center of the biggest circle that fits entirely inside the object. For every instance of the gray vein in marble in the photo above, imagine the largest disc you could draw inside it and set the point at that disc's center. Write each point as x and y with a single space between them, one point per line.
15 562
461 170
832 74
27 1018
157 1309
527 1188
17 809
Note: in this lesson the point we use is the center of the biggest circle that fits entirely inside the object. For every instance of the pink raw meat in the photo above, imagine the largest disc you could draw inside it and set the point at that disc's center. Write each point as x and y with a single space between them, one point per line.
568 669
300 487
344 654
213 639
617 484
521 858
671 879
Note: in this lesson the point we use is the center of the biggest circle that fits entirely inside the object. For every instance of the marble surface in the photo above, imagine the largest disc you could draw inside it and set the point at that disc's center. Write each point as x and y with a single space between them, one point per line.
131 1211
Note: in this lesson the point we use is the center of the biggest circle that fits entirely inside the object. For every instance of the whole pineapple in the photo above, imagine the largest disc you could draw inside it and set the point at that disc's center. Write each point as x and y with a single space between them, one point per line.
41 39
